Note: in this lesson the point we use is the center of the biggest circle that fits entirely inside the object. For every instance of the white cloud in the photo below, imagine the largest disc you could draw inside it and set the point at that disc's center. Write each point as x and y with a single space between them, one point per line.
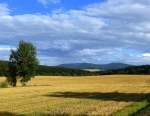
46 2
94 52
45 60
6 48
4 10
146 54
4 51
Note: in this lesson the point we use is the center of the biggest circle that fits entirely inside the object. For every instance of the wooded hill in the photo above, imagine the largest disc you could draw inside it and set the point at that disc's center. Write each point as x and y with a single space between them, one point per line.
143 69
61 71
109 66
49 70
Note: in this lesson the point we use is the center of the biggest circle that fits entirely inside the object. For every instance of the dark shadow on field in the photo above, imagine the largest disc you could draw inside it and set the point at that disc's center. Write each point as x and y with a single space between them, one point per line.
9 114
113 96
37 85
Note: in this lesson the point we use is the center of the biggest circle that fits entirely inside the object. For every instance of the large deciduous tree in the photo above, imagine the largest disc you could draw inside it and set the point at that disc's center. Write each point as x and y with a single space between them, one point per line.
22 63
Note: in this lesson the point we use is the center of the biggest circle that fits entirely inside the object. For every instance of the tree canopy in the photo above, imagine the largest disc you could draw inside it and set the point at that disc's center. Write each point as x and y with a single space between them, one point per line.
22 63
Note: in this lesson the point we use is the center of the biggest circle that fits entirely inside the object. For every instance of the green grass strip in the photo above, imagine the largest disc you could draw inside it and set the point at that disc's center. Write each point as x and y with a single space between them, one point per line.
132 109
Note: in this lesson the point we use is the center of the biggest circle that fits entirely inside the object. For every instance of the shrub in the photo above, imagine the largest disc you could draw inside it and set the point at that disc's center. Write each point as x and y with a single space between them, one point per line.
4 84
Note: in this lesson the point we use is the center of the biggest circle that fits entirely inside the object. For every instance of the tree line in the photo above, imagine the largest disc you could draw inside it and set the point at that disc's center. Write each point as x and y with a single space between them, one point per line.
43 70
61 71
133 70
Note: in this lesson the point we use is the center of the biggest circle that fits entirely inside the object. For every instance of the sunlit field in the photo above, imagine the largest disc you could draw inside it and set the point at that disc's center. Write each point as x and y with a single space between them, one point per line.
101 95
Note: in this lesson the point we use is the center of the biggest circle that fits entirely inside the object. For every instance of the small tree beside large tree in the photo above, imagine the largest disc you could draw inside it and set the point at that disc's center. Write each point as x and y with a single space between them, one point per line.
22 64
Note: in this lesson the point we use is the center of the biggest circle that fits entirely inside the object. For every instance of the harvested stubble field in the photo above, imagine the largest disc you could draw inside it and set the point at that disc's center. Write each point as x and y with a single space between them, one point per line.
101 95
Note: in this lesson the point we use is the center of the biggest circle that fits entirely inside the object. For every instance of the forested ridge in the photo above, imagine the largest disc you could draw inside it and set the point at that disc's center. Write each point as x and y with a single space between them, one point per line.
143 69
49 70
60 71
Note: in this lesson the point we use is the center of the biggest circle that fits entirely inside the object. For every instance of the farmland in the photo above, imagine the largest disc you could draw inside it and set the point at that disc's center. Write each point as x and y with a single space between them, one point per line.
87 95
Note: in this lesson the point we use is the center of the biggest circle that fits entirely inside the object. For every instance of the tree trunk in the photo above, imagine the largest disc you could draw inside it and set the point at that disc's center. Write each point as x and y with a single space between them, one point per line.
14 83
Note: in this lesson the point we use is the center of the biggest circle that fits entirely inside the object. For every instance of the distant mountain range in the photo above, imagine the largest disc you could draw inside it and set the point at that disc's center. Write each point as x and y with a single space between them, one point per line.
109 66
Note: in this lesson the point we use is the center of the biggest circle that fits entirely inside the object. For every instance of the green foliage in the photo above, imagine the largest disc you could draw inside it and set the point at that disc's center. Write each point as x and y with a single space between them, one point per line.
60 71
4 84
27 61
51 71
144 112
12 69
132 109
3 68
144 69
22 63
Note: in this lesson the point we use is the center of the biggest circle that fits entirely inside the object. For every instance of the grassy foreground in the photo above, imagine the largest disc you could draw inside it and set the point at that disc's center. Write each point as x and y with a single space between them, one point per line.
101 95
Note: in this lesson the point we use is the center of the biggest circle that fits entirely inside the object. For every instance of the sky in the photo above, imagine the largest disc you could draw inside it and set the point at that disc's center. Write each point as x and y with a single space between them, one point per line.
78 31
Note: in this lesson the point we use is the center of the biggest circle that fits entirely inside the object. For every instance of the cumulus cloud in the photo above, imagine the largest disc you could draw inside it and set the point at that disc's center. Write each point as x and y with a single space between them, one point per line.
4 9
112 31
5 48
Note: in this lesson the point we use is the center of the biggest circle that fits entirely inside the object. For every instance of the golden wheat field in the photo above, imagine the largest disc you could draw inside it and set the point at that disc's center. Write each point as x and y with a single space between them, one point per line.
100 95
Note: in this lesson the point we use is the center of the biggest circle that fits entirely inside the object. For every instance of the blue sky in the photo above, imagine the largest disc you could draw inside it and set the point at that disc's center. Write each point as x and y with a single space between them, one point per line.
70 31
47 6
